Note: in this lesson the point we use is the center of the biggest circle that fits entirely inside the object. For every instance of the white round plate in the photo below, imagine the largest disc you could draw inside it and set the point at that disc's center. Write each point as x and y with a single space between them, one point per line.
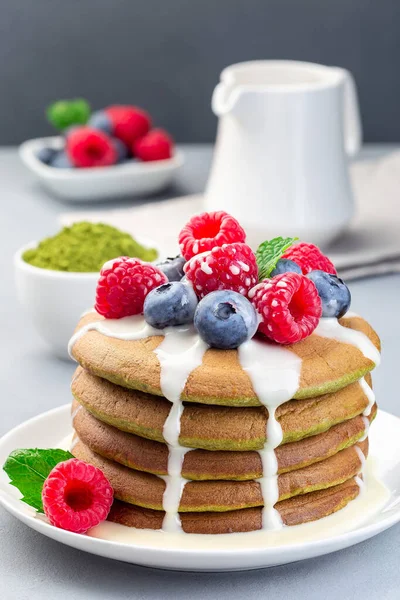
103 183
48 429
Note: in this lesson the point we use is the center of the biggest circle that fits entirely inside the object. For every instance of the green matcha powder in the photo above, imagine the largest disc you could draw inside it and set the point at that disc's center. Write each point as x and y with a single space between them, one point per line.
85 247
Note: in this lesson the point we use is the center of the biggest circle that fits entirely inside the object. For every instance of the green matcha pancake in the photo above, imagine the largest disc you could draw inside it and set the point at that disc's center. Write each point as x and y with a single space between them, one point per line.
215 427
296 510
151 456
327 365
146 490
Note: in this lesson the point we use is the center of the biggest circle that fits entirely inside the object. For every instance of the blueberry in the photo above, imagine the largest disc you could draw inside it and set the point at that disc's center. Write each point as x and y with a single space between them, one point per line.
122 150
101 121
225 319
334 293
46 155
61 161
170 304
284 265
173 268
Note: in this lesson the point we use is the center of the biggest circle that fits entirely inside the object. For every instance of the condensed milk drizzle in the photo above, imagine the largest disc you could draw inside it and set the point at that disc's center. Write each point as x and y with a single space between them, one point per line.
179 354
331 328
127 328
368 391
275 374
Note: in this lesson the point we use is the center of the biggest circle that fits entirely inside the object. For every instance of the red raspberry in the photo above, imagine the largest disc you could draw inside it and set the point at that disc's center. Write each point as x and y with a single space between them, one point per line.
129 122
207 230
309 258
88 147
76 496
123 285
231 267
289 307
156 145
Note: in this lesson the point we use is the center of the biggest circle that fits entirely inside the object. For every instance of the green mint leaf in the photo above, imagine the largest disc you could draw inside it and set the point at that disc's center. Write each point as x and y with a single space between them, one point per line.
28 469
65 113
269 252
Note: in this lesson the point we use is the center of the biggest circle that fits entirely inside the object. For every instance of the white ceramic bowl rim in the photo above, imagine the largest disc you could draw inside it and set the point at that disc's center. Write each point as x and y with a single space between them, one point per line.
29 148
22 264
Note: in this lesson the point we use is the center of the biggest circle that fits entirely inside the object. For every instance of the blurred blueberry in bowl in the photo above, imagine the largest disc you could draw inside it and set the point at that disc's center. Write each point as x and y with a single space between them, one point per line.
122 150
101 121
46 155
61 161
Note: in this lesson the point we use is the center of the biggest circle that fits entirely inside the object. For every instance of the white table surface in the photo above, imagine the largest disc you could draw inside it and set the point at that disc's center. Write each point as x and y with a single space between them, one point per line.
32 381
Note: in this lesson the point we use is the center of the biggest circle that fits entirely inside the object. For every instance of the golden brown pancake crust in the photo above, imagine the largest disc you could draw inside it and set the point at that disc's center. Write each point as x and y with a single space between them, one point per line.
327 365
214 427
297 510
150 456
143 489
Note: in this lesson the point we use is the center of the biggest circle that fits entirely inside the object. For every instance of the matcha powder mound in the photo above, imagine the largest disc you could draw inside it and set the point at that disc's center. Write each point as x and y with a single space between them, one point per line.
85 247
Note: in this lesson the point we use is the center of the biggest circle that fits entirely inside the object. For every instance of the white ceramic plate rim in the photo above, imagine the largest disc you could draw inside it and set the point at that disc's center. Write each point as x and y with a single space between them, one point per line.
179 559
28 150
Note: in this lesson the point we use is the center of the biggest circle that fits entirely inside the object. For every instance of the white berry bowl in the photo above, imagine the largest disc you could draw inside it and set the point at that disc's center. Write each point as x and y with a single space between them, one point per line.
131 178
55 300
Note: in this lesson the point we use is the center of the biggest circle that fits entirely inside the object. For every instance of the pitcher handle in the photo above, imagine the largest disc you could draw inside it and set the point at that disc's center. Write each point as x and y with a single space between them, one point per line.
223 99
351 113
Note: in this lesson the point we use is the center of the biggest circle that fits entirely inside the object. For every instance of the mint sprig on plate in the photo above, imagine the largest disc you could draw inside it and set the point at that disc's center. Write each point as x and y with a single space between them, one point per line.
269 252
29 468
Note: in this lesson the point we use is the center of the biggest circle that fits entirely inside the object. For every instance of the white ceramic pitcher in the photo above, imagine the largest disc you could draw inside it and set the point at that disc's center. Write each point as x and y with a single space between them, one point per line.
286 130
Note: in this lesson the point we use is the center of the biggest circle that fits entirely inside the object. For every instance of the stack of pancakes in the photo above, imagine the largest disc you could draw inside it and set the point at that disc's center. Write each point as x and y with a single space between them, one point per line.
119 414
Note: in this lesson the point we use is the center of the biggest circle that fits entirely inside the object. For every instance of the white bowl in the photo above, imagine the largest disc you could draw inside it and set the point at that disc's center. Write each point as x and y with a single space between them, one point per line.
101 183
55 300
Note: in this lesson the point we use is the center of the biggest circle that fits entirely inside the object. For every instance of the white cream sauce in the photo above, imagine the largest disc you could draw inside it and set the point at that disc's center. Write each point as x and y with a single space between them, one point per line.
368 391
275 374
331 328
180 352
372 498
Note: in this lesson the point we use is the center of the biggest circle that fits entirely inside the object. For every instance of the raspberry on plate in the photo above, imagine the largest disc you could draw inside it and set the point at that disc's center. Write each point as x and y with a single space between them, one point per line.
209 229
87 147
289 307
128 122
156 145
76 496
123 286
310 258
229 267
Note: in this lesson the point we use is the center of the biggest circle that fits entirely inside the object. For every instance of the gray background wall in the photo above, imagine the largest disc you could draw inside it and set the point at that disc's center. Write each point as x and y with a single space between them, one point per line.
165 55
